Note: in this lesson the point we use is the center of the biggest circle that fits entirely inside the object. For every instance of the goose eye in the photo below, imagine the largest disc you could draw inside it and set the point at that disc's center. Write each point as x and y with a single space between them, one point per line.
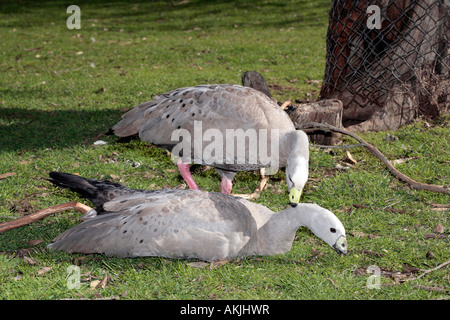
333 230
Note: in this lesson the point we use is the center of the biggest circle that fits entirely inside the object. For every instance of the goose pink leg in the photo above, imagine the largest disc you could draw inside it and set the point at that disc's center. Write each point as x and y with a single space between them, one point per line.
186 174
226 185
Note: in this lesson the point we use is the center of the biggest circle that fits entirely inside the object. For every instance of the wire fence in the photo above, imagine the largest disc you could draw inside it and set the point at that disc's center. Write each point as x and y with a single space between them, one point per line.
388 61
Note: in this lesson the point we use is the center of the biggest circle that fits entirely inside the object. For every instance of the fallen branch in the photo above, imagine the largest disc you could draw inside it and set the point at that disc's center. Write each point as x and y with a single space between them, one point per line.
313 126
38 215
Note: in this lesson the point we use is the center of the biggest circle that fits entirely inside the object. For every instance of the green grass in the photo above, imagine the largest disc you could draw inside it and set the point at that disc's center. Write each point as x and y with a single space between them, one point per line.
63 89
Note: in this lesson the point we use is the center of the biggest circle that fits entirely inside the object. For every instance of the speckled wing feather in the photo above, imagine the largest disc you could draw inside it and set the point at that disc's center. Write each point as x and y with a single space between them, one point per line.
173 224
217 106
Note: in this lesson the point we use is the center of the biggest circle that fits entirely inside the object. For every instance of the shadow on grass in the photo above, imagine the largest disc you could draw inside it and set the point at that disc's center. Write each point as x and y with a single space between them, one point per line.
175 15
30 129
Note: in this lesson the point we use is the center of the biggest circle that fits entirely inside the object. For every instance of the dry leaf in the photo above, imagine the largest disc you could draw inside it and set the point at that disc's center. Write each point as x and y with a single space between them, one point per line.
439 228
29 260
7 175
44 270
218 263
94 284
35 242
198 264
349 155
104 281
400 161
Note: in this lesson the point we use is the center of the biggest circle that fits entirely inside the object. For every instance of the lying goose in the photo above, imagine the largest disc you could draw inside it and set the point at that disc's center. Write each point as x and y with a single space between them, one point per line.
187 223
221 119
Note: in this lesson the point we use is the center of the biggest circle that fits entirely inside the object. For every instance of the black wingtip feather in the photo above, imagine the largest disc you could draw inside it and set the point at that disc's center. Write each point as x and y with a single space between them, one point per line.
97 191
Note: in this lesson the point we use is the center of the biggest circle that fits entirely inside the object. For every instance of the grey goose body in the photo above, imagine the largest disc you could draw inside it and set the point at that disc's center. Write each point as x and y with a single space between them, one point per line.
187 223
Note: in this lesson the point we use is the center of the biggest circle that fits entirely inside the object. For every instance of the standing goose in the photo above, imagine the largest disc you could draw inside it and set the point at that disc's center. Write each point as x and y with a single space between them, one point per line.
211 114
186 224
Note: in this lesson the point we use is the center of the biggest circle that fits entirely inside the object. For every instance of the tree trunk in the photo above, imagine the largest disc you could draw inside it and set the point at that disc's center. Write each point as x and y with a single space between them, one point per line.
386 77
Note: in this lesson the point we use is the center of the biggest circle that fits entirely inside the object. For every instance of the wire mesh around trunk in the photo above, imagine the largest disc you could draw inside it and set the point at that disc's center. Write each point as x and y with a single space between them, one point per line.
388 63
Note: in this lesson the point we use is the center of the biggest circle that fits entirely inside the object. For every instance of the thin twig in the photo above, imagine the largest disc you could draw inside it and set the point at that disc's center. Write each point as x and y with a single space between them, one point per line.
428 288
442 265
345 146
38 215
313 126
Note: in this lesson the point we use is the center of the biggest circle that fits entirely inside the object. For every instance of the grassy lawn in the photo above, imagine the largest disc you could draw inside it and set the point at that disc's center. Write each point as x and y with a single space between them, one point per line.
61 90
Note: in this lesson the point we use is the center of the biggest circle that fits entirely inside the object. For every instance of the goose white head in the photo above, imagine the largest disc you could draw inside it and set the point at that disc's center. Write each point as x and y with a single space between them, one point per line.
326 226
297 166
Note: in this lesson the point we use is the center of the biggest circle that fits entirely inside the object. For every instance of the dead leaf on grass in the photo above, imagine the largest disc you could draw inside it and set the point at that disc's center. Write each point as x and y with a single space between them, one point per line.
403 160
104 281
218 263
29 260
7 175
44 270
94 284
198 264
35 242
350 157
439 228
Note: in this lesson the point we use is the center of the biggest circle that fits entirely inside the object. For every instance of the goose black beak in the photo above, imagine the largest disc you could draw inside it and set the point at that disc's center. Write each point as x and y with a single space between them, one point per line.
294 196
340 245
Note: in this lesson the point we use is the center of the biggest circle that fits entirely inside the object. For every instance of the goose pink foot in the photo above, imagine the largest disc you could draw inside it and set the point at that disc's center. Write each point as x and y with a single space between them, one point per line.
226 185
186 174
